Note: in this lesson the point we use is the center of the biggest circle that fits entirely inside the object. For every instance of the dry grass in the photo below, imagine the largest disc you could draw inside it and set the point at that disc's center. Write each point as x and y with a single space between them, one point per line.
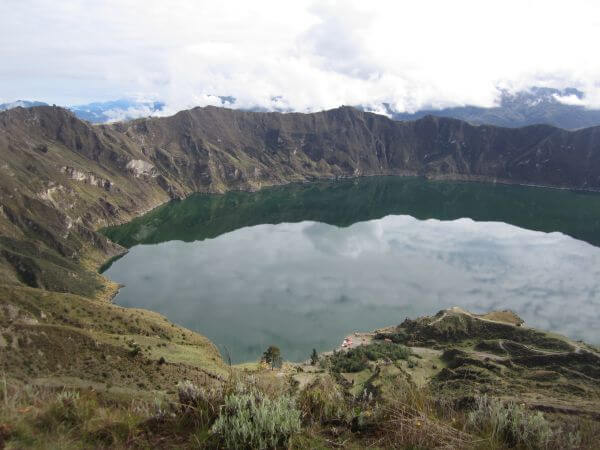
322 401
401 416
41 417
413 419
408 427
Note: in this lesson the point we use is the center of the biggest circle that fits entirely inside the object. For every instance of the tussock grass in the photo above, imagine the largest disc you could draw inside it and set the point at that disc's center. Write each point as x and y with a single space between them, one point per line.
413 418
512 425
41 417
264 409
322 401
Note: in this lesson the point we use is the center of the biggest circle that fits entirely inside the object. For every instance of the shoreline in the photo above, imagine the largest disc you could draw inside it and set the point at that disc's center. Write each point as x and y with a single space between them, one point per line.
114 288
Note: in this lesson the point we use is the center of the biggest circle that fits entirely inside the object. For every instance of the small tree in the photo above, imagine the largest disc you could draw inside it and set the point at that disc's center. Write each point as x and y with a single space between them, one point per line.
272 356
314 357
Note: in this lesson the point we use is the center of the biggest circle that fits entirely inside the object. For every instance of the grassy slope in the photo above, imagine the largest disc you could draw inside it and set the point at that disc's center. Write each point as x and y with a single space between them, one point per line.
413 402
57 325
48 336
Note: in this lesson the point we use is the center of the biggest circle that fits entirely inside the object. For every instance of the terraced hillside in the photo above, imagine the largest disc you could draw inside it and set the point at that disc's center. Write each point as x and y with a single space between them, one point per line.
495 354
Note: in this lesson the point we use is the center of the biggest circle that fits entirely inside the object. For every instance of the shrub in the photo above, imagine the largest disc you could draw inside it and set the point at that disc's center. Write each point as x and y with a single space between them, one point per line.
249 419
357 359
397 338
322 401
134 349
412 417
200 404
68 411
510 423
188 393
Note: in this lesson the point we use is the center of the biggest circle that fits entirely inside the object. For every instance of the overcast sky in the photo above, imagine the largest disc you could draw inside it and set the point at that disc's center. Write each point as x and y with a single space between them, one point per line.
302 55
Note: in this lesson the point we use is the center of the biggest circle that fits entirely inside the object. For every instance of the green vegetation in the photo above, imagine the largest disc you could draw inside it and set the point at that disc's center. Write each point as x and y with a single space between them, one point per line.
272 357
357 359
71 341
84 373
314 357
249 419
399 337
254 407
513 424
322 401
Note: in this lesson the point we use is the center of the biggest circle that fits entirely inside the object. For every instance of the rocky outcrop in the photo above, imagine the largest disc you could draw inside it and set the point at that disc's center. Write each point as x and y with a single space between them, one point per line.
86 177
140 168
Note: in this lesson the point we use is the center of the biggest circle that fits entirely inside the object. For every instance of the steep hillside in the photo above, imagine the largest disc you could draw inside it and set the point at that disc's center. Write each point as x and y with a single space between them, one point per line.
495 354
62 178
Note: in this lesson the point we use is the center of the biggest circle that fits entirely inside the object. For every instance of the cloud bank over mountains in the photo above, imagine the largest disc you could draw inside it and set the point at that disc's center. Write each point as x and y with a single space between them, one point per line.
300 56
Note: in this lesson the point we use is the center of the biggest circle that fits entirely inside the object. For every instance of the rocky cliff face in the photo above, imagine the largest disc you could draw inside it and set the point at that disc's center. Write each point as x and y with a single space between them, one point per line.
62 177
217 149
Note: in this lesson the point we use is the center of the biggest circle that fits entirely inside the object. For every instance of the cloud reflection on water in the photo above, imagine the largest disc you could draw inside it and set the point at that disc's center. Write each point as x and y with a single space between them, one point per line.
304 285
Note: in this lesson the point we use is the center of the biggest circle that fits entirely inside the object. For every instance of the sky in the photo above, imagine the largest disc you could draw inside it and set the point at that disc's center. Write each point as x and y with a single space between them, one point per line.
296 55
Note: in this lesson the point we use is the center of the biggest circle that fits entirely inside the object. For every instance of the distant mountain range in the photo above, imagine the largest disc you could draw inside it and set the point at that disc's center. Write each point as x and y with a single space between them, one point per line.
534 106
116 110
20 103
101 112
560 108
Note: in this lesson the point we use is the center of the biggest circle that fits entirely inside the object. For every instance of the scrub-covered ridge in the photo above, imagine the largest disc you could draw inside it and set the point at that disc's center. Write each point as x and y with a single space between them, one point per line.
453 380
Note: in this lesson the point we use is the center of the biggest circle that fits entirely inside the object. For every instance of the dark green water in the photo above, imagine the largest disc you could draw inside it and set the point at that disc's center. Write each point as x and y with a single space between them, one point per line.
300 266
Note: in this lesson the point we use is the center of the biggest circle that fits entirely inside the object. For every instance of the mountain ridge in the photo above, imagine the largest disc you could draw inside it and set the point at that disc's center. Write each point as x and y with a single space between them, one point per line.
563 108
63 178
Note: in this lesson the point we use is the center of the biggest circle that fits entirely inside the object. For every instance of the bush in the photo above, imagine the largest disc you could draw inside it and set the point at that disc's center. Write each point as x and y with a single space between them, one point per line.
322 402
199 403
249 419
510 423
357 359
67 411
397 338
134 349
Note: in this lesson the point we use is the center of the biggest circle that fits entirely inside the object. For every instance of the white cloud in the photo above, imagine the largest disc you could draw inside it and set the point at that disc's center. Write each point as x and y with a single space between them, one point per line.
569 99
116 115
302 55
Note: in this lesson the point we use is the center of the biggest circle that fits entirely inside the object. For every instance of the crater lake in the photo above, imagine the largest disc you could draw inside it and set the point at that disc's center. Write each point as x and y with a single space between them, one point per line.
301 266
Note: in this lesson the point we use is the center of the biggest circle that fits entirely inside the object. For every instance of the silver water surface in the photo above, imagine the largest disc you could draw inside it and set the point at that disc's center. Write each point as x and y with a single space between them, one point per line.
304 285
